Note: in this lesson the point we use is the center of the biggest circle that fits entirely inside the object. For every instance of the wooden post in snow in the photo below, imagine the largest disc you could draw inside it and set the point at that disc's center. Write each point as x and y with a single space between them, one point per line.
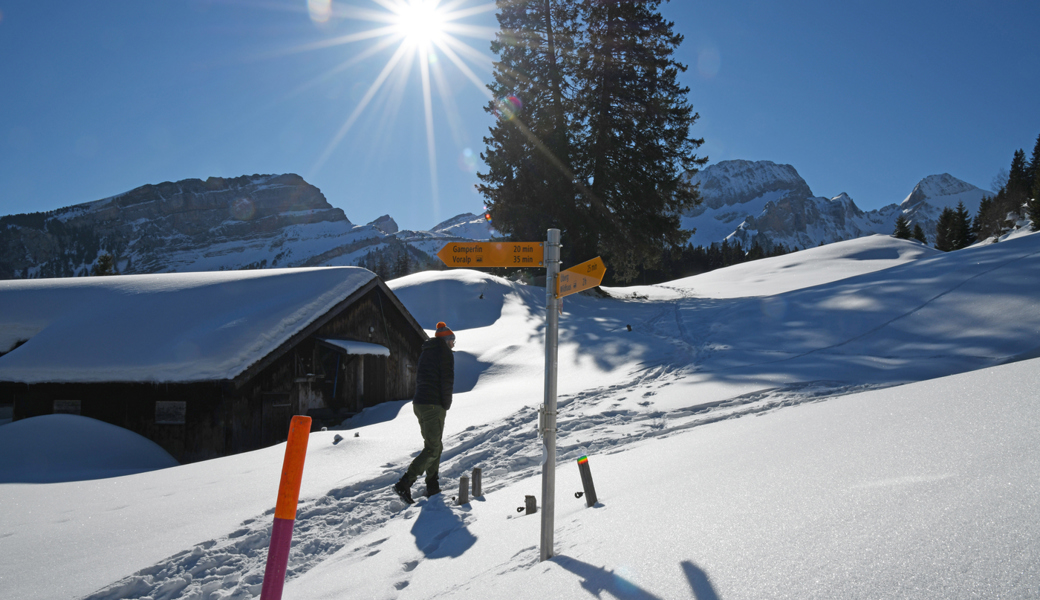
464 490
586 481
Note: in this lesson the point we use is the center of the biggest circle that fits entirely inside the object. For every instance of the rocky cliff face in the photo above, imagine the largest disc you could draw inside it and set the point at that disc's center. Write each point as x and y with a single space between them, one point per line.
768 204
257 221
734 182
171 226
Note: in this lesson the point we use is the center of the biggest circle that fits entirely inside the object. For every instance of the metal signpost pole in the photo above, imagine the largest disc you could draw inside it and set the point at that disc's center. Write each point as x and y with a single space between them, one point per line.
552 324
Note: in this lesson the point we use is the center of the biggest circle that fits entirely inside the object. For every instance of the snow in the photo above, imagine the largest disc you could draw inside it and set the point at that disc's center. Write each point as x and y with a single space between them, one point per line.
174 327
741 180
114 451
806 268
710 225
353 347
852 421
468 225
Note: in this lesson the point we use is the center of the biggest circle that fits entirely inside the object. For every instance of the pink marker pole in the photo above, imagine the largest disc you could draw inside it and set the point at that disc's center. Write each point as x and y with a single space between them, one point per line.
285 510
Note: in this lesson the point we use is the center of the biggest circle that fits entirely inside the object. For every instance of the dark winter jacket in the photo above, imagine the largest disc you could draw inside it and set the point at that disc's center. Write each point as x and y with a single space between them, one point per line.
435 375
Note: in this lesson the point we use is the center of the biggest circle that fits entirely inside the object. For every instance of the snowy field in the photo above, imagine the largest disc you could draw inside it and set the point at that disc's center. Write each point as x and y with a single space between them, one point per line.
858 420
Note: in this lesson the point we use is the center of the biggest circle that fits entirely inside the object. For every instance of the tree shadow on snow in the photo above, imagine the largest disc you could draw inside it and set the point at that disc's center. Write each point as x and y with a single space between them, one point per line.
597 580
700 585
439 531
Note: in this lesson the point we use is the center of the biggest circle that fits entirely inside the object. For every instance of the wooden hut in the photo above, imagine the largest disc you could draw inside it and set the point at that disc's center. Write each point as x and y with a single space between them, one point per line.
206 364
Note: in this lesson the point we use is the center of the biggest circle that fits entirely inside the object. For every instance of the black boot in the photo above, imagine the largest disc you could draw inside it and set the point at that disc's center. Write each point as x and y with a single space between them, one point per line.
404 491
432 488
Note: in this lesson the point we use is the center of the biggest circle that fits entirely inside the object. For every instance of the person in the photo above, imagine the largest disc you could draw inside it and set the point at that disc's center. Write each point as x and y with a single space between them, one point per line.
435 377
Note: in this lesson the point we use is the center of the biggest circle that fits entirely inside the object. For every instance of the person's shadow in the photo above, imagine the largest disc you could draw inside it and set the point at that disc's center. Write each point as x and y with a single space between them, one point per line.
439 532
597 580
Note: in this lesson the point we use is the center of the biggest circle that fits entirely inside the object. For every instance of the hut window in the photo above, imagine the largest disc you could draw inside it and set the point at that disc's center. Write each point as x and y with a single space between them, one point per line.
66 407
170 412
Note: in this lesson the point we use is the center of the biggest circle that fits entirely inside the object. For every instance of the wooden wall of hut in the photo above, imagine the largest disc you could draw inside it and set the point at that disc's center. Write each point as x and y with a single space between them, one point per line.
186 420
374 319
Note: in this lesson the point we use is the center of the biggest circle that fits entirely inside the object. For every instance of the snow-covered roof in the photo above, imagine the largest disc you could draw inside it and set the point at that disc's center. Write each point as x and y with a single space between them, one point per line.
174 327
353 347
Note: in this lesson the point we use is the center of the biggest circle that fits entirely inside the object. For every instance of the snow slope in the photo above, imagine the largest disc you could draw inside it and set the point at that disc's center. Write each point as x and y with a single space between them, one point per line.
858 425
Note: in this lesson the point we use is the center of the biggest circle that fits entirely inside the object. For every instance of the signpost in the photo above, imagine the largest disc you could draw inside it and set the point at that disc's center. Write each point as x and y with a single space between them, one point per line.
552 343
493 254
581 277
587 275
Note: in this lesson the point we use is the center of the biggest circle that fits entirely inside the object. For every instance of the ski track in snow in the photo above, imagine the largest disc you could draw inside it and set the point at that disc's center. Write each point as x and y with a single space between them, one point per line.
595 421
591 422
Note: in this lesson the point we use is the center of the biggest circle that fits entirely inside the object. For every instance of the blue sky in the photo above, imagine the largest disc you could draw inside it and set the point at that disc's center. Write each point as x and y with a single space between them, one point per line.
867 98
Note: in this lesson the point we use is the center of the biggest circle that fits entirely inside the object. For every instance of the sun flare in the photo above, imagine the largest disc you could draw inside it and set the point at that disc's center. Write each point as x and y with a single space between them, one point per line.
421 22
428 36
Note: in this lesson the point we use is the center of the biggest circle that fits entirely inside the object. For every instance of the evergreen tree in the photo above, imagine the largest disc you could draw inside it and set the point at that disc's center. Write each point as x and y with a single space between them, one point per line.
1018 185
978 226
635 147
1033 175
919 234
1033 207
902 228
401 265
944 230
1033 168
529 185
106 265
962 234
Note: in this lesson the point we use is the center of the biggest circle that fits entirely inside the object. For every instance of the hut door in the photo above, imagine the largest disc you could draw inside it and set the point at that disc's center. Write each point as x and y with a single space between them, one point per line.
375 380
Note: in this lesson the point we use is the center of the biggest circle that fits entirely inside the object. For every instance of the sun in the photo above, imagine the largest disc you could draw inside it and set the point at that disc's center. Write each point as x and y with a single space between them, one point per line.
420 22
425 32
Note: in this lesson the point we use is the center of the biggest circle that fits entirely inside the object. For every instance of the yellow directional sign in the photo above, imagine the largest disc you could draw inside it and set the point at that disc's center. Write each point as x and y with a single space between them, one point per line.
493 254
581 277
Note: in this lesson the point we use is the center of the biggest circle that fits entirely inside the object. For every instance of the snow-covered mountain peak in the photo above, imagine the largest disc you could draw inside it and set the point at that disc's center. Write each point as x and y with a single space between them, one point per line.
937 186
386 224
733 182
466 225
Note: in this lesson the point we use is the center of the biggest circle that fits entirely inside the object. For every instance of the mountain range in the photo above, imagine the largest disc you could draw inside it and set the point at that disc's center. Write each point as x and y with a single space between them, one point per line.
262 221
765 203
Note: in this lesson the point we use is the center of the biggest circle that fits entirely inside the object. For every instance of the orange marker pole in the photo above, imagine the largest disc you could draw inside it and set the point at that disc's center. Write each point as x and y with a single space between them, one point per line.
285 510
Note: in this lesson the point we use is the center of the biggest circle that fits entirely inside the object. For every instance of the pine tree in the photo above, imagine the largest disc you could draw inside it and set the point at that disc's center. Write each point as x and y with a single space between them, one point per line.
106 265
529 185
636 149
944 230
979 226
902 228
1033 168
962 235
1033 204
1018 185
1033 175
919 234
401 265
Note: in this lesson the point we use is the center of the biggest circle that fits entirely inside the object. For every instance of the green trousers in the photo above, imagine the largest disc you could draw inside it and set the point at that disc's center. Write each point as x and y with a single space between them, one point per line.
431 425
